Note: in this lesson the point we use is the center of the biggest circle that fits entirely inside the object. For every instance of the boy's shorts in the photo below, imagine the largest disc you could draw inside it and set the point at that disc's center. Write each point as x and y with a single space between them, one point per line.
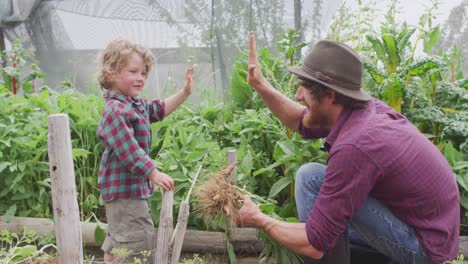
130 226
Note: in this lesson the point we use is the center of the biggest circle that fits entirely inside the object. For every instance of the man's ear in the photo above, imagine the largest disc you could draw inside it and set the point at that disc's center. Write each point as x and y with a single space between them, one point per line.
330 97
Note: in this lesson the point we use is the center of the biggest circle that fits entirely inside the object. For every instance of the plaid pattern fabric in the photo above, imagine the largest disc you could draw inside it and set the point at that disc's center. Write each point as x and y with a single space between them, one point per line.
125 132
377 152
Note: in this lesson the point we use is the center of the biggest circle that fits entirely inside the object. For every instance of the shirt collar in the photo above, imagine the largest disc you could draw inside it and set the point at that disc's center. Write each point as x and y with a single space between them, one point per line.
333 135
118 96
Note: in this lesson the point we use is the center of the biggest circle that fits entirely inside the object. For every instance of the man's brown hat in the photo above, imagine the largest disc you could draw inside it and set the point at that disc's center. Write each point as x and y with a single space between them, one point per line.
336 66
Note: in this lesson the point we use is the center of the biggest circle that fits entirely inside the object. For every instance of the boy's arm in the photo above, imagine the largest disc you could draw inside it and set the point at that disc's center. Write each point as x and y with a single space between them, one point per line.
178 98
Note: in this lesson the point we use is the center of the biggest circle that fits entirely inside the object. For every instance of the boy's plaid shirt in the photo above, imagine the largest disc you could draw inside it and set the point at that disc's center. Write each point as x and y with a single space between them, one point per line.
125 132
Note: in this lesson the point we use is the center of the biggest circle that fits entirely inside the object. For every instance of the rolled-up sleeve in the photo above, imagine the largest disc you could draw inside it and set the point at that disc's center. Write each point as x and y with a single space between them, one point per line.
156 110
349 177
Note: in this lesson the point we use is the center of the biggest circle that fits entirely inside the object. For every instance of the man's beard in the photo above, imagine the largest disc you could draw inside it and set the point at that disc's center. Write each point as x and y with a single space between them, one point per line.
316 119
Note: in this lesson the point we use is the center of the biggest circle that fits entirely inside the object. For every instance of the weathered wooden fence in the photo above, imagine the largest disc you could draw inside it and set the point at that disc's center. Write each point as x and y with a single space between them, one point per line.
65 204
68 229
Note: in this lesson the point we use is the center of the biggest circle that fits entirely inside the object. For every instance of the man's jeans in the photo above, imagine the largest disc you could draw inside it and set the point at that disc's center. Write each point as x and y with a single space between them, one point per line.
373 225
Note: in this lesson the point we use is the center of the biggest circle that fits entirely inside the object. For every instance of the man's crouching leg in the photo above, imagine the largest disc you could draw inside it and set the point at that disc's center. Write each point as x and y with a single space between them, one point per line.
309 179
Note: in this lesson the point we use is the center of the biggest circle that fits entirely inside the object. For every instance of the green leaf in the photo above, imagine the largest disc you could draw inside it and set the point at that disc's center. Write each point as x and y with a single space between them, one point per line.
460 165
183 136
10 213
431 39
451 154
462 181
420 67
3 165
99 234
231 254
247 162
267 169
247 130
392 53
284 148
13 168
179 176
279 186
377 75
4 192
241 92
20 196
195 156
378 47
404 37
21 166
291 219
268 209
6 142
18 178
21 253
79 152
392 93
464 201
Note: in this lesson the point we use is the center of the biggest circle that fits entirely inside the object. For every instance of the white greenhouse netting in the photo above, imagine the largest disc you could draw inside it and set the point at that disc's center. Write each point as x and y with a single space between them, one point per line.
66 35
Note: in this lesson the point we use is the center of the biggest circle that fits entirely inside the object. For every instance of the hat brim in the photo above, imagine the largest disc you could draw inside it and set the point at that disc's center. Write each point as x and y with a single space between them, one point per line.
360 94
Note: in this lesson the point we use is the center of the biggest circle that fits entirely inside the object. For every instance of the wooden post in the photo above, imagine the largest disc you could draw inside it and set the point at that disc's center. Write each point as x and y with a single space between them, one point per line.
179 232
231 158
2 46
65 205
165 229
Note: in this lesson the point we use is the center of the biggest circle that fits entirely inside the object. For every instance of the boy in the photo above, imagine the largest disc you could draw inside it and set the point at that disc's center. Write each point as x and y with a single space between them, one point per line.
126 172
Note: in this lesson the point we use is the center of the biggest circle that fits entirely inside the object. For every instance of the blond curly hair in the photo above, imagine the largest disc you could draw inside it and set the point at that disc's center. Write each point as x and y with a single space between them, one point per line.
115 57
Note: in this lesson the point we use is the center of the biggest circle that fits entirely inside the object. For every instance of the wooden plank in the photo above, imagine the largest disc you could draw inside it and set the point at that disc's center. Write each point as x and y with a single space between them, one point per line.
463 245
231 159
165 229
244 239
65 205
182 220
179 232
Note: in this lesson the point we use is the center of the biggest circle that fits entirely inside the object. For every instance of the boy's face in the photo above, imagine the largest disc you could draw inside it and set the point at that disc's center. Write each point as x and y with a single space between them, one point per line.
131 79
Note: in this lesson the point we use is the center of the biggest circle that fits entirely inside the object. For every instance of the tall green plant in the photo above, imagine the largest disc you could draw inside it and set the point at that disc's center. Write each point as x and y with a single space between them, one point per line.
23 154
288 45
390 70
351 26
424 89
19 69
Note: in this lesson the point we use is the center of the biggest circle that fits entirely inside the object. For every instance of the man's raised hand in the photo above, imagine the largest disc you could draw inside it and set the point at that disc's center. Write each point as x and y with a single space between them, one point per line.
254 76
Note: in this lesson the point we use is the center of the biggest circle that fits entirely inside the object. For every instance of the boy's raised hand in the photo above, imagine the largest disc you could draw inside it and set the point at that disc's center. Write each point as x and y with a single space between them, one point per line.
175 100
189 80
162 179
254 76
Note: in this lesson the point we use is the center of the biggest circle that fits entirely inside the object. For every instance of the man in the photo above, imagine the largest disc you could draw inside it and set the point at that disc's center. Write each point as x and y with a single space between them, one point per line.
385 184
